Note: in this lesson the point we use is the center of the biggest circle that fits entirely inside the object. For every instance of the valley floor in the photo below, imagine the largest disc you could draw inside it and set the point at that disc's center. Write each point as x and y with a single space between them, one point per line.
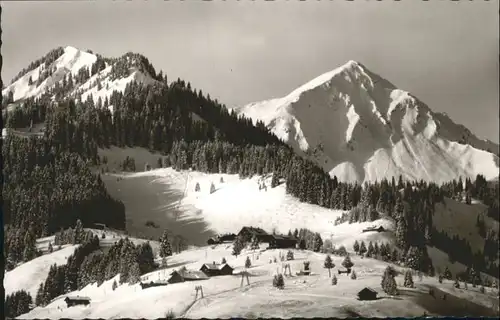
303 296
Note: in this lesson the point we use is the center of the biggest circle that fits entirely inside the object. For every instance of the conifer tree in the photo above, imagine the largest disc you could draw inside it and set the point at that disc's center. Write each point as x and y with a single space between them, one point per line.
347 263
329 264
302 244
197 187
447 273
389 282
414 258
40 296
408 282
165 247
212 188
318 242
237 246
279 281
334 280
30 246
134 273
356 246
353 275
369 251
376 249
223 261
114 285
395 255
248 263
362 248
78 232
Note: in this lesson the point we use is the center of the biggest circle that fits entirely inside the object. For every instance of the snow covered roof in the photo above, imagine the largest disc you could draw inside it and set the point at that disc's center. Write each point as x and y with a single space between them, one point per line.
253 230
215 266
193 274
77 298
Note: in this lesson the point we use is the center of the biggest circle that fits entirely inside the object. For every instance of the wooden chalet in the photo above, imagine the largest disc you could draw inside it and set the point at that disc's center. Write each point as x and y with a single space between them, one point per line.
157 283
221 239
175 277
247 233
216 269
186 275
282 242
230 237
74 301
370 229
367 294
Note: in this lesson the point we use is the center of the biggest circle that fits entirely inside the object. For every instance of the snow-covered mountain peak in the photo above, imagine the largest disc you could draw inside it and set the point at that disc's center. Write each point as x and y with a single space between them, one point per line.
71 72
359 126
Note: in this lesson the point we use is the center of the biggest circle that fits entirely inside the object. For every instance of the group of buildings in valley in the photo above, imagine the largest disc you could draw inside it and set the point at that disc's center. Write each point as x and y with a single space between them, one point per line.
248 233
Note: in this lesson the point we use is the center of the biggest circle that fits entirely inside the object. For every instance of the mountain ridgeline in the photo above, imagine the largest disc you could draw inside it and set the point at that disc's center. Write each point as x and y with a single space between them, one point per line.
360 127
88 102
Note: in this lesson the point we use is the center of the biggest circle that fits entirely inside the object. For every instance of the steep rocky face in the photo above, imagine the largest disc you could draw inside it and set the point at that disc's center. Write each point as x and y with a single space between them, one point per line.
360 127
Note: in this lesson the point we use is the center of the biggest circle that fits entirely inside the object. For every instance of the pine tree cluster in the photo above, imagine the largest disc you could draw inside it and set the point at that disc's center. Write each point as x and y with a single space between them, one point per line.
46 60
45 189
88 265
16 304
73 236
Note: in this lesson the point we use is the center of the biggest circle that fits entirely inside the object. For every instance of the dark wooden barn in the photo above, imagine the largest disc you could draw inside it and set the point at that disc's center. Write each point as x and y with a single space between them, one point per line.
175 277
248 232
367 294
74 301
230 237
282 242
373 229
216 269
212 241
145 285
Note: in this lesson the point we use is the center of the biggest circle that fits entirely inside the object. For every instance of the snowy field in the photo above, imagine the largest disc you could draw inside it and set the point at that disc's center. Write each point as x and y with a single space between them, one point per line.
29 275
239 202
303 296
234 204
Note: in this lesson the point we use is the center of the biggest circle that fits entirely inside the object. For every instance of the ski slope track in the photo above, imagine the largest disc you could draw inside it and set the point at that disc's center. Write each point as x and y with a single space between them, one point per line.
360 127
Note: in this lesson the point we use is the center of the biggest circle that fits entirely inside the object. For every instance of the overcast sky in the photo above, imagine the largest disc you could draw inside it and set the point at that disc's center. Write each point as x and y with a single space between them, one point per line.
446 53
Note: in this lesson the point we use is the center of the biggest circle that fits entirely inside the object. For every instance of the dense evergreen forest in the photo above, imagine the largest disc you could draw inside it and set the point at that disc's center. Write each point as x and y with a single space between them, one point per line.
49 182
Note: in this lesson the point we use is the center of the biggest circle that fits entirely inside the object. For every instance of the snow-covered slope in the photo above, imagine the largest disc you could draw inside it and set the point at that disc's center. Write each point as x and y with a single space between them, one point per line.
239 202
360 127
72 61
303 296
29 275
